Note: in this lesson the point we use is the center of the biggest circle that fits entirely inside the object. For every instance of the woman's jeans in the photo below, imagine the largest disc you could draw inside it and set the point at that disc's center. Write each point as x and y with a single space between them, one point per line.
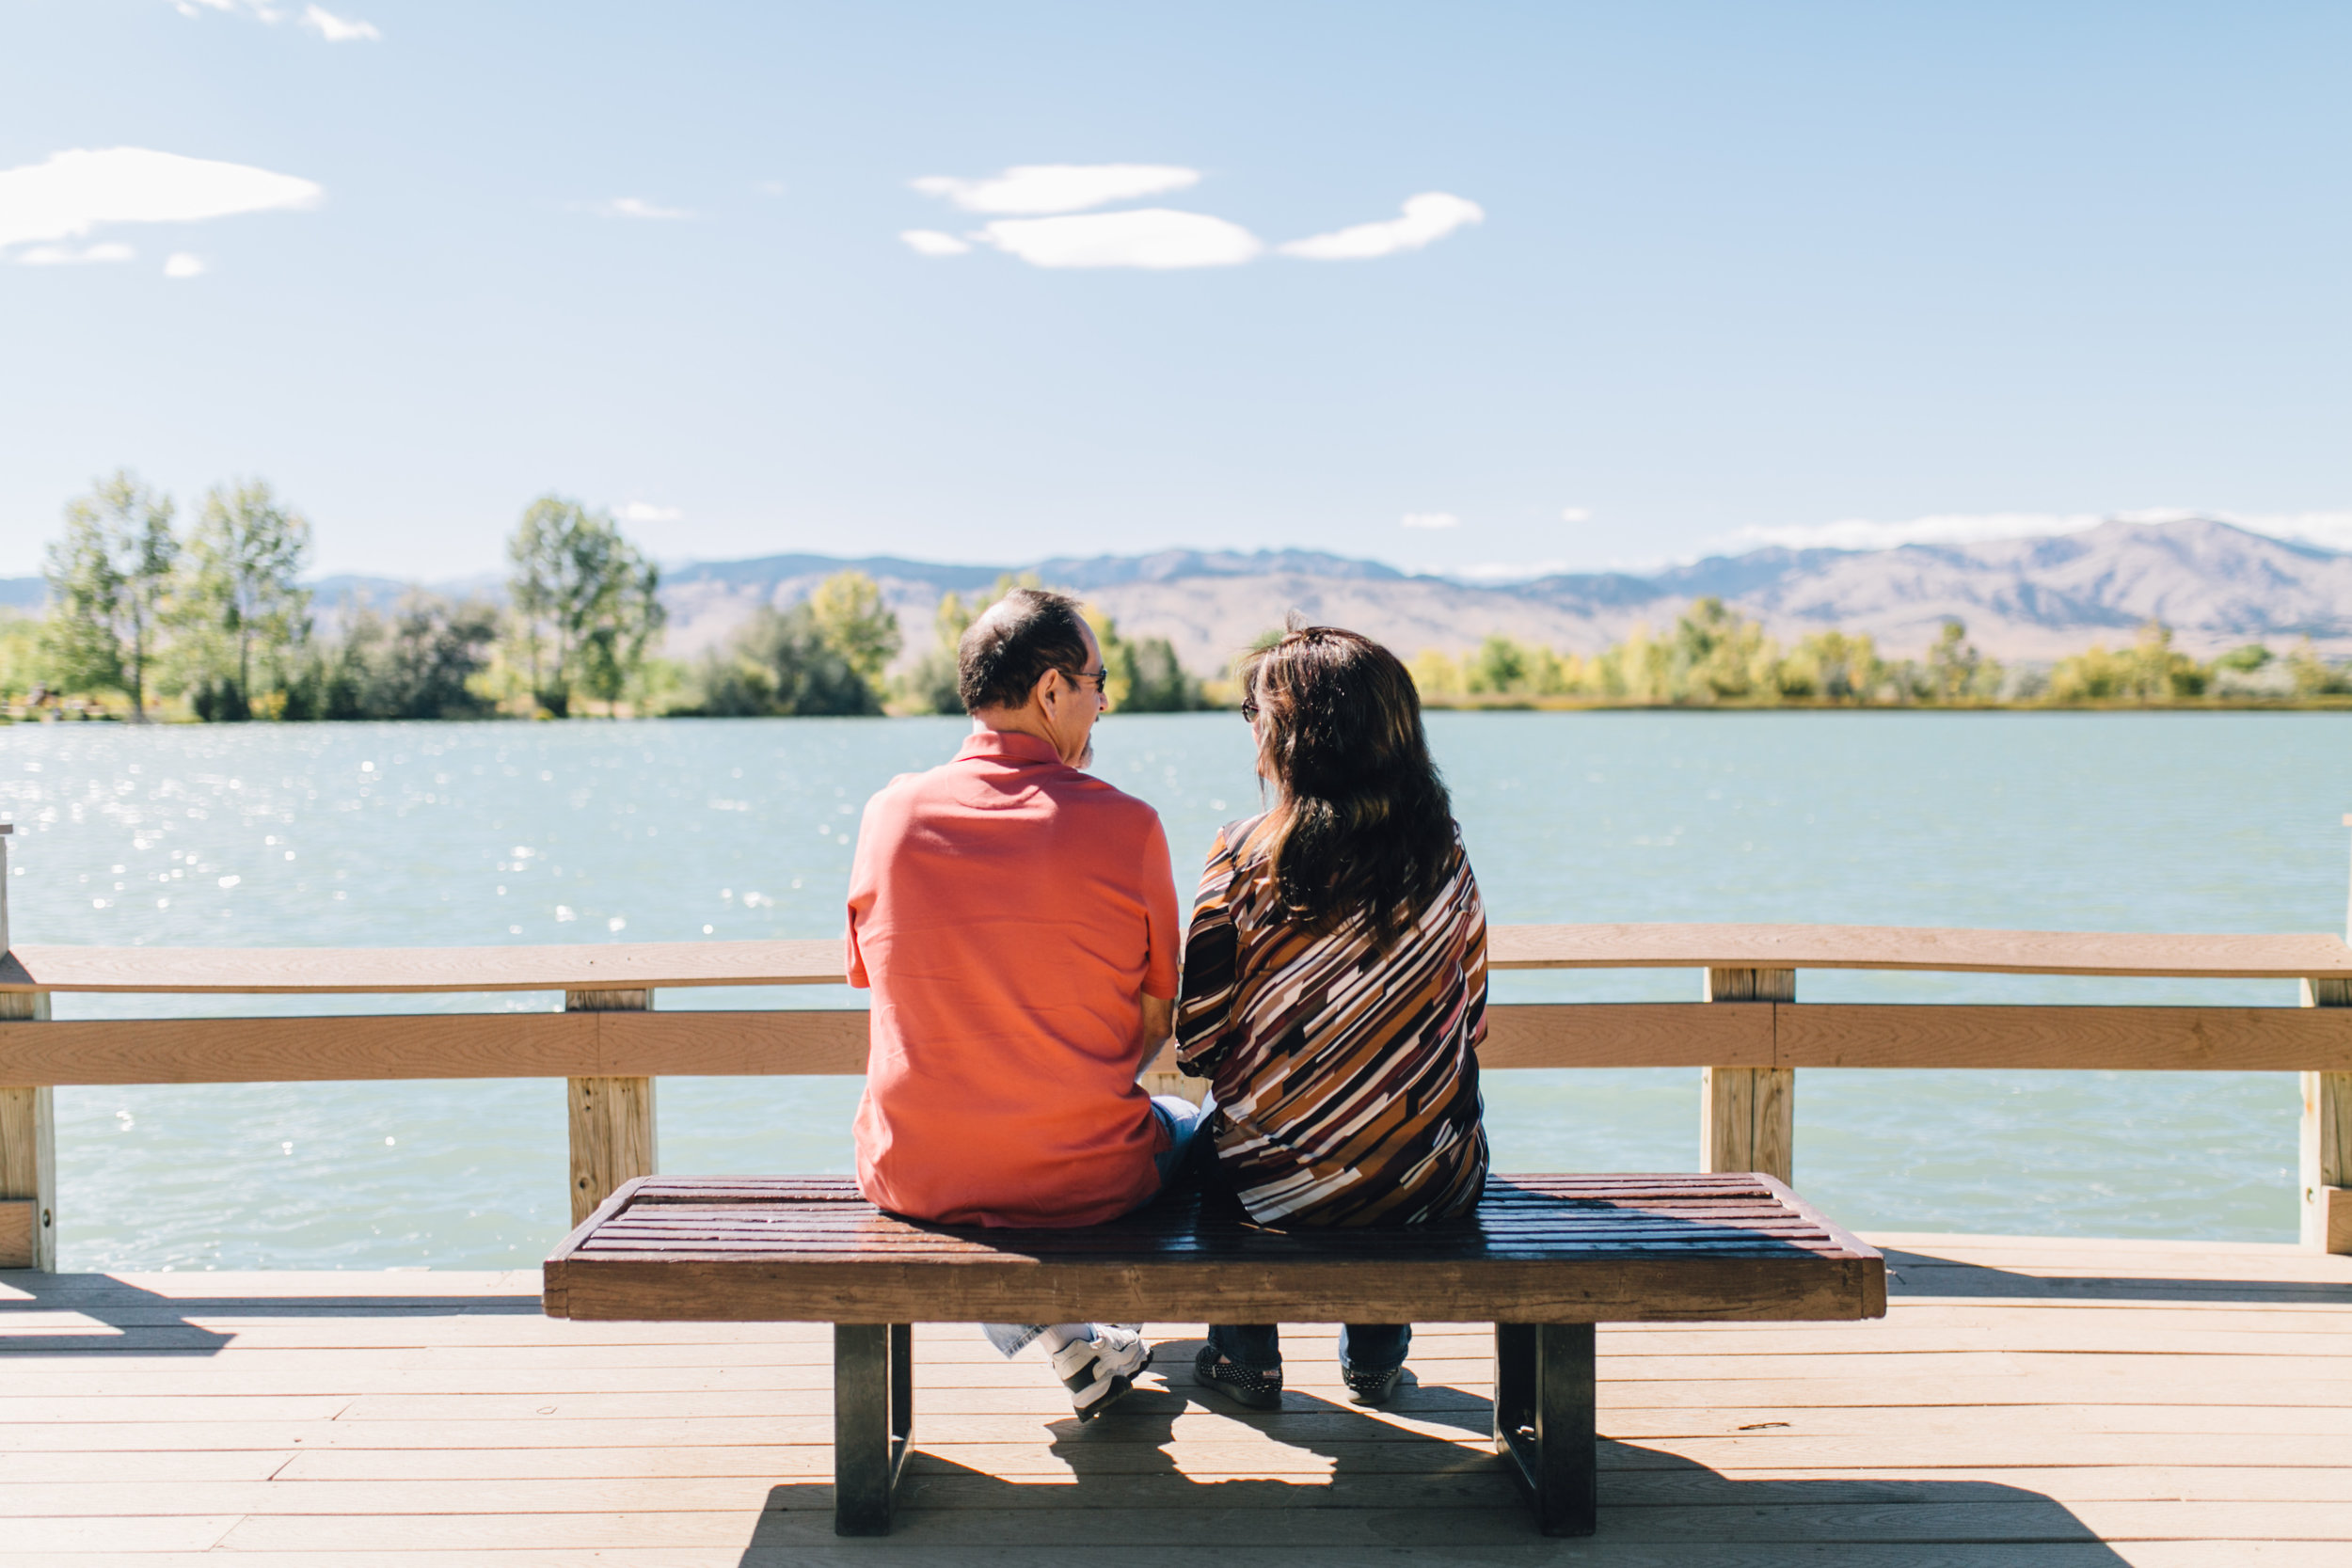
1184 1123
1363 1347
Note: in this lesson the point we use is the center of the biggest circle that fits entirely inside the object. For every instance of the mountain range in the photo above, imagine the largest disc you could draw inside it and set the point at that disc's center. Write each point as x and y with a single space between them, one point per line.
2029 599
2035 599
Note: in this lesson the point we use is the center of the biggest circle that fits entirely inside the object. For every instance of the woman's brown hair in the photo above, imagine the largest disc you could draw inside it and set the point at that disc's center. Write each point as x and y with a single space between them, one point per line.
1362 828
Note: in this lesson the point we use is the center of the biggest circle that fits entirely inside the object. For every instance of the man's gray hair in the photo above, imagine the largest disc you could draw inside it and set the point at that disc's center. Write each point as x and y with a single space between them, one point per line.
1009 649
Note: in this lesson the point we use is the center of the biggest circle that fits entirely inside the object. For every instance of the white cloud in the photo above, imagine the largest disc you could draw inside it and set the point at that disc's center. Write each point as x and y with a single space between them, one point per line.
1429 520
1490 574
631 207
931 242
67 255
1428 217
1956 528
336 29
1156 238
1036 188
75 192
1575 514
2331 530
183 263
645 511
318 19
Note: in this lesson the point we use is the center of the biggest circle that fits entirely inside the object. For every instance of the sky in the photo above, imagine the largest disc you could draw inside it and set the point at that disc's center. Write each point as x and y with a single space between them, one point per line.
1481 288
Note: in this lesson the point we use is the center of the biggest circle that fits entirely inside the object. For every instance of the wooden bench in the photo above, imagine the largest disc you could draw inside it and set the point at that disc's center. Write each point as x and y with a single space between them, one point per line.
1545 1259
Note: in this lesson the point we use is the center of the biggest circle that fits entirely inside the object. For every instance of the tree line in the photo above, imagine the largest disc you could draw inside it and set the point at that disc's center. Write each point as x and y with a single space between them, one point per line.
1713 657
214 623
828 655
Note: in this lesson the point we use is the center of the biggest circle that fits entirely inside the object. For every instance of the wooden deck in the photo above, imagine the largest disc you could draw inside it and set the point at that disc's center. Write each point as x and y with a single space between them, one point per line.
2027 1403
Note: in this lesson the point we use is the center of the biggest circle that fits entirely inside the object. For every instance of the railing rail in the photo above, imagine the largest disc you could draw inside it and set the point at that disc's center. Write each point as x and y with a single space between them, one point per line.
1747 1037
667 965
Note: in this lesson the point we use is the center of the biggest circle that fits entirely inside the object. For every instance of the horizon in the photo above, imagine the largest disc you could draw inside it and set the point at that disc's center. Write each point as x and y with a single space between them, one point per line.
1489 289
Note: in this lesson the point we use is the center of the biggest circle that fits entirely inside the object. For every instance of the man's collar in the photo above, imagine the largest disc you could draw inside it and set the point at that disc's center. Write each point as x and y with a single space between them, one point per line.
1008 746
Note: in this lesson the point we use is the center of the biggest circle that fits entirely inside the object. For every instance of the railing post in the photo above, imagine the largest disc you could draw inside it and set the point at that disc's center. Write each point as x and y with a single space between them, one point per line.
28 1132
612 1118
1747 1114
2327 1153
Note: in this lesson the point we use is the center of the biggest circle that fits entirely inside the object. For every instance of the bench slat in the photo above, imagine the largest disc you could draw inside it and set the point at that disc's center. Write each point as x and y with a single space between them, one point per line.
1538 1249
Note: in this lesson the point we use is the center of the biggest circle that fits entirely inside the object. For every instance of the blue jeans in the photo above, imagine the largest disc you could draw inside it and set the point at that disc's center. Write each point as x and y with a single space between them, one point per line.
1184 1121
1368 1347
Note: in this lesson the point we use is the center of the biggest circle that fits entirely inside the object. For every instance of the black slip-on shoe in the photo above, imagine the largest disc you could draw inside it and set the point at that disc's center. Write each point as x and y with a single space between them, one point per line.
1369 1387
1242 1385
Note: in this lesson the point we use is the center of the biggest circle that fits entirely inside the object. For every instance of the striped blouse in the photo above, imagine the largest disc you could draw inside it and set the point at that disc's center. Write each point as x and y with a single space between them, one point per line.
1347 1080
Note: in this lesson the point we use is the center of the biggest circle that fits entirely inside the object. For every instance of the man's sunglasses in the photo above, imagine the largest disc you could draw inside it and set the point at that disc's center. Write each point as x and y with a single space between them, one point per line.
1100 677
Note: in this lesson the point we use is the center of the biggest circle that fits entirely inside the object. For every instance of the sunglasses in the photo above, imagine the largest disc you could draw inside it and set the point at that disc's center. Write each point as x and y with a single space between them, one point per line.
1249 709
1100 677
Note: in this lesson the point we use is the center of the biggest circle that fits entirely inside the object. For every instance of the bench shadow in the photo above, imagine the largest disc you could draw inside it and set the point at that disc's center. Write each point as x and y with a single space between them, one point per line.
160 1324
1384 1486
1916 1274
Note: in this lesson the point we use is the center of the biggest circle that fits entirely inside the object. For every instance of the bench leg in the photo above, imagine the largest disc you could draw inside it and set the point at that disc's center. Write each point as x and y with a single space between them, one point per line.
1544 1421
873 1421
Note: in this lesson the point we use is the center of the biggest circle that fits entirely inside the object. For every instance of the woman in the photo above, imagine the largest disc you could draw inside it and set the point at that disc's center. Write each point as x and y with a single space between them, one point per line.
1335 984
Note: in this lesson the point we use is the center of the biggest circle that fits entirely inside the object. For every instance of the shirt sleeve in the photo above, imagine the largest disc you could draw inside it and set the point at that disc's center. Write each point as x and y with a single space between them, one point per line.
1160 919
861 899
1473 955
1212 968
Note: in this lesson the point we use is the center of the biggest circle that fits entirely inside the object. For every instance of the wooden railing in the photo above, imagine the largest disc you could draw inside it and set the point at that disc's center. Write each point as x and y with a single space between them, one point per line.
1748 1034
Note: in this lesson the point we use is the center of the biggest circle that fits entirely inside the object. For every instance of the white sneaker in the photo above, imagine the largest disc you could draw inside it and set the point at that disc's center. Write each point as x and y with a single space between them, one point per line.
1098 1371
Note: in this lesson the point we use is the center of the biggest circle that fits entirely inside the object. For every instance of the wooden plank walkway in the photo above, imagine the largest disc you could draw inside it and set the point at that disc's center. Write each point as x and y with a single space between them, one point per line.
2027 1402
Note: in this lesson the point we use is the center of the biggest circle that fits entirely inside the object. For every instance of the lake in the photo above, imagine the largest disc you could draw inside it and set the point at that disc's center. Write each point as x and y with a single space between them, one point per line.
660 830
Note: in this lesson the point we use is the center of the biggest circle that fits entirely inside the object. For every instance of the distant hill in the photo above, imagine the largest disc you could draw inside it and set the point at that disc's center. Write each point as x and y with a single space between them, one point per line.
2215 584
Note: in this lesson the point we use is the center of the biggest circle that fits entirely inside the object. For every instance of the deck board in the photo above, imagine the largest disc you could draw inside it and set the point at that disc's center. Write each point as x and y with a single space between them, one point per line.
2027 1402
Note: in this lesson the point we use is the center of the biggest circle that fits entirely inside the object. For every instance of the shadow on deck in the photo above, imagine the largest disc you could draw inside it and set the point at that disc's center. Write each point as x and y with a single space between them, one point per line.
1384 1490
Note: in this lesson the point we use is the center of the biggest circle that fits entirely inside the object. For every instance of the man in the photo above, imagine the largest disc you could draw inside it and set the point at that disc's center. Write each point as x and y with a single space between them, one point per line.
1016 921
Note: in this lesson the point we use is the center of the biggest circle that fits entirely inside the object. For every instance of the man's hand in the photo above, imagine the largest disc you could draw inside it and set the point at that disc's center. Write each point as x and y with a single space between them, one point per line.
1159 1021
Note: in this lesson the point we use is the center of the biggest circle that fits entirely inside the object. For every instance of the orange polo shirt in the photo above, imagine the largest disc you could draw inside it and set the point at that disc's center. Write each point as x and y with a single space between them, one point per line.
1010 913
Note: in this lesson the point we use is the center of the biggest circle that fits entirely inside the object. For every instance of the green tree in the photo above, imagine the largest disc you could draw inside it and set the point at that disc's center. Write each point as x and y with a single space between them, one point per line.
1157 681
108 579
1718 654
1835 666
855 621
23 661
584 601
2313 675
240 603
2245 660
1142 677
1500 666
779 664
421 662
2151 671
1437 674
1956 671
930 686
